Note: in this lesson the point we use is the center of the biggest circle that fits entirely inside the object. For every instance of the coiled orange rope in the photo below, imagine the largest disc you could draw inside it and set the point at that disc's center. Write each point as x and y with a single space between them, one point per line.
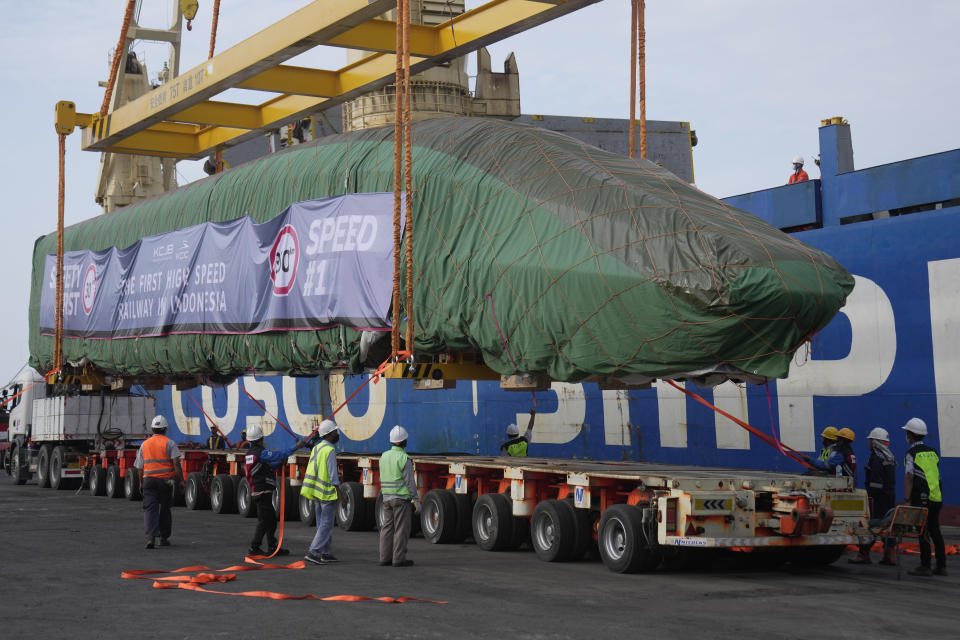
117 55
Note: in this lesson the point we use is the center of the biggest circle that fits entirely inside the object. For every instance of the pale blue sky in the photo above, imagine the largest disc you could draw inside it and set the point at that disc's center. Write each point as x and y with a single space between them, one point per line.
753 77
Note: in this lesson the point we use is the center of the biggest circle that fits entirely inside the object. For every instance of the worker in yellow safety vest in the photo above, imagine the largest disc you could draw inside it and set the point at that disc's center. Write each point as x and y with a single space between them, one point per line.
922 489
828 440
517 444
158 464
321 484
399 490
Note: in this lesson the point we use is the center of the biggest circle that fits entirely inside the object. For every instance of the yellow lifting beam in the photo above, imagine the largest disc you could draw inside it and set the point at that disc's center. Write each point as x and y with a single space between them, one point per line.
182 118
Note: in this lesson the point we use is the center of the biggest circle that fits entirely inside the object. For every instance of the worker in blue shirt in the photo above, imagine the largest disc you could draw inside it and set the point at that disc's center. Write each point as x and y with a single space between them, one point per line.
260 464
842 461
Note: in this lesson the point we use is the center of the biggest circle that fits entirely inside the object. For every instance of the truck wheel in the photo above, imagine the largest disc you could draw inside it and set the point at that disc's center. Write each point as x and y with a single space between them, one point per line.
114 482
245 506
131 486
18 467
223 498
815 556
352 509
308 511
378 512
553 531
464 516
194 496
438 516
292 505
623 546
98 478
493 522
58 461
43 467
583 531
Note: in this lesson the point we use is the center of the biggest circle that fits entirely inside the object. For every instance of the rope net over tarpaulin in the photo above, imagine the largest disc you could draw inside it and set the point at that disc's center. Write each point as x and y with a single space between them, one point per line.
595 264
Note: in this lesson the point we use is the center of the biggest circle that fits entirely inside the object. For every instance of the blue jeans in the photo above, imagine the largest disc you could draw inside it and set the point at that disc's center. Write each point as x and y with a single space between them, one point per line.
326 510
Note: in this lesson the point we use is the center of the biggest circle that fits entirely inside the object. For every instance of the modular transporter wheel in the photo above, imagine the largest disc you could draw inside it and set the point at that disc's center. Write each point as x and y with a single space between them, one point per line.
352 512
194 494
97 482
223 498
438 516
623 545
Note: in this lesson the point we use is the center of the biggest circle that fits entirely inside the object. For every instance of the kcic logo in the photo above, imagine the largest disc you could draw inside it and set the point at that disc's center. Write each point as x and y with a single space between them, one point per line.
284 257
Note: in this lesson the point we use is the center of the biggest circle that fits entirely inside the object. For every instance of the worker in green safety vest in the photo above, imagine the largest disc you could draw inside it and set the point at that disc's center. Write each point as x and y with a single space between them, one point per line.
321 484
398 488
517 444
828 441
922 488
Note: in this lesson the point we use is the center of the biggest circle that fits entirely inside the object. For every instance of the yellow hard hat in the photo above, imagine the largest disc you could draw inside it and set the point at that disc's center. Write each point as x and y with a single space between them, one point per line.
830 433
846 433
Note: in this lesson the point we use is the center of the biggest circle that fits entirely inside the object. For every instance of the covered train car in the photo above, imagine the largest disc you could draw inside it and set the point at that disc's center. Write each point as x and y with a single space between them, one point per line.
532 251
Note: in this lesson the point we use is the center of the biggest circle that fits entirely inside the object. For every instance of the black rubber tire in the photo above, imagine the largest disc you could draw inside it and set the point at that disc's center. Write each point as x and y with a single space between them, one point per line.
245 506
18 466
378 517
194 495
42 476
58 462
553 531
97 482
131 485
492 522
816 556
584 541
378 512
438 516
623 546
223 496
308 511
352 512
114 483
291 506
464 515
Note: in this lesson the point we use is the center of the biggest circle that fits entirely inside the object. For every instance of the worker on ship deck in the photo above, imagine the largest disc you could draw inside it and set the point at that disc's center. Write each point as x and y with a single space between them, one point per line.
517 444
828 441
798 175
842 461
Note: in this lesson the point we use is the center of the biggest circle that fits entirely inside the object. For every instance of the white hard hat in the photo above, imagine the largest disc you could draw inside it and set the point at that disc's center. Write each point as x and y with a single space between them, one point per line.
254 432
917 426
879 433
159 423
798 160
513 430
398 434
327 426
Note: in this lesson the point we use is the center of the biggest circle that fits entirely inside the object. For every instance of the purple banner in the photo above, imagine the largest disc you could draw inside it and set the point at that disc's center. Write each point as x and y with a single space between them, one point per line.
319 263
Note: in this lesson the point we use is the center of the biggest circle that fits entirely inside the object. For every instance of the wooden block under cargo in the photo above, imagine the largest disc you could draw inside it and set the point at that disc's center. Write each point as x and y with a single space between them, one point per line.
524 382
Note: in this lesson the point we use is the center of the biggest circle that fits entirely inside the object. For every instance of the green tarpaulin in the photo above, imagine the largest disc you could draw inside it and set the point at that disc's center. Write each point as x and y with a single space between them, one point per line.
543 254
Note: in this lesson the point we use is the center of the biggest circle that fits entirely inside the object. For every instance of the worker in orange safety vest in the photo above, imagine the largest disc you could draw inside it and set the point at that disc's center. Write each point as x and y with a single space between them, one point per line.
158 463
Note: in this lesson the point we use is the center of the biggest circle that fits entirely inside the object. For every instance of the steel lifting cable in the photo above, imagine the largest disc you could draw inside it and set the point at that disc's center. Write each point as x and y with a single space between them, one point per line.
117 54
786 450
213 27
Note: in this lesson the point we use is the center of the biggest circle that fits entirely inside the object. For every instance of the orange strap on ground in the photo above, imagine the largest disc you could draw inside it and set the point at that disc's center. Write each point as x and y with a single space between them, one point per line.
908 548
788 451
204 575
